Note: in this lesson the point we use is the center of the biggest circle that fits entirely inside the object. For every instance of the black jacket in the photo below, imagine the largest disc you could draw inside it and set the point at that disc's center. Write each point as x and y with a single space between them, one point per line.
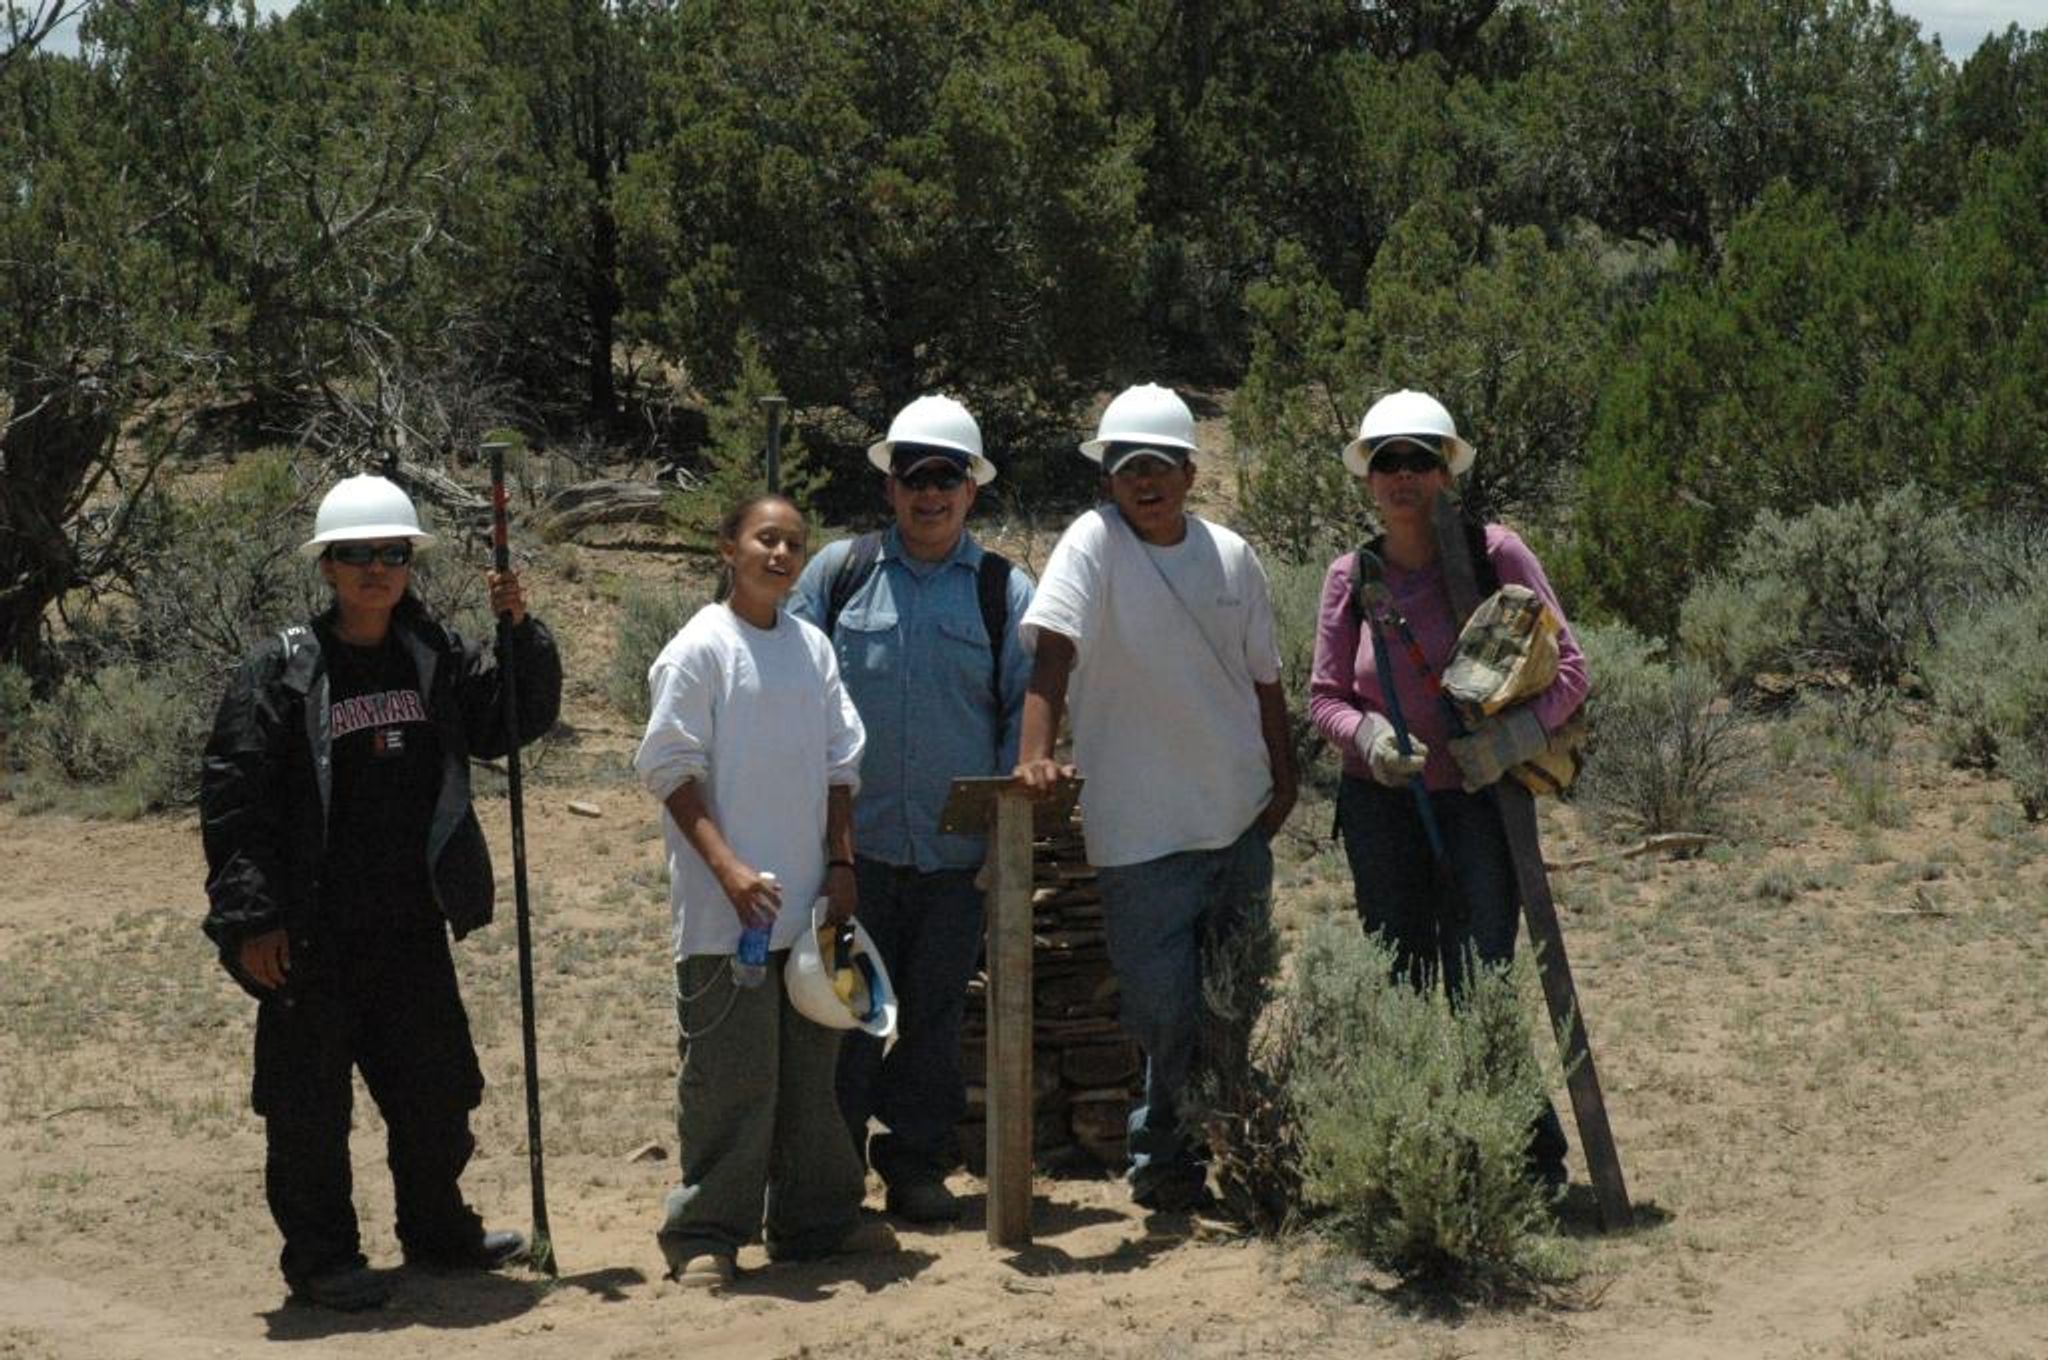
266 782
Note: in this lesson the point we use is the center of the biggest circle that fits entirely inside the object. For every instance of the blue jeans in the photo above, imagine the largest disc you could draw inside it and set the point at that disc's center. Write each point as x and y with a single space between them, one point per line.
1157 915
927 928
1431 920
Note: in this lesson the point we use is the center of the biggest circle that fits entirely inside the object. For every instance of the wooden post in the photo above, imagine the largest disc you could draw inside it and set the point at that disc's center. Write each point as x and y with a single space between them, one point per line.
994 806
1010 1114
1532 885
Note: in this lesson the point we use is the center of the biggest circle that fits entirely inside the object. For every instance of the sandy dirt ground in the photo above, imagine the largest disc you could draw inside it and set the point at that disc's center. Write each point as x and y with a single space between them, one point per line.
1822 1044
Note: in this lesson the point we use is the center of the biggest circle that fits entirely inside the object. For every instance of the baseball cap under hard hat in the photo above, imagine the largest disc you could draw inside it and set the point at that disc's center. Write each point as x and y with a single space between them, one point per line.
1147 415
1118 455
364 507
935 425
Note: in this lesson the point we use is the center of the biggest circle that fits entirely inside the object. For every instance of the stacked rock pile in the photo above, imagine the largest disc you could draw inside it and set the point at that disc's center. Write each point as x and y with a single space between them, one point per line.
1084 1071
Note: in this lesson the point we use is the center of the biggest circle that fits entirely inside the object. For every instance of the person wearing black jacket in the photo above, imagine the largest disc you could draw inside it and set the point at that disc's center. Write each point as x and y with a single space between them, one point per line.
341 848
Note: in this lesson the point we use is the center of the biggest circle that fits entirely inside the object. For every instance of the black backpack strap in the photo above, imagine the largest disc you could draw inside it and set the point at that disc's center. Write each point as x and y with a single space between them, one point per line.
854 570
992 588
1377 548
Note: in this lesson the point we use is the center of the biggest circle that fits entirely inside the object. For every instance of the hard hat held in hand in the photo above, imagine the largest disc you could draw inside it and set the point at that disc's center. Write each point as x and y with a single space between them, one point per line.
938 422
1145 414
1410 413
364 507
835 977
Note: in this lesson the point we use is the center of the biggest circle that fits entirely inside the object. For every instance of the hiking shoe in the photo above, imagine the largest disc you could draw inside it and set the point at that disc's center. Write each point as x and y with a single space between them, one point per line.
924 1202
868 1235
493 1250
1176 1195
706 1270
347 1289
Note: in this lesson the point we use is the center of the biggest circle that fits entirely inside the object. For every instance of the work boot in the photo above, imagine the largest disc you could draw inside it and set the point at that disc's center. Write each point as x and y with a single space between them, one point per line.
501 1247
924 1202
346 1289
706 1270
868 1235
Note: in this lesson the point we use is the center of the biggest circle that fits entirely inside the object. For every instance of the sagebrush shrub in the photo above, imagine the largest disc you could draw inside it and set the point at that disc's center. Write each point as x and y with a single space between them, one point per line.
1666 753
1297 588
1856 587
1988 674
649 616
1240 1093
132 742
1415 1116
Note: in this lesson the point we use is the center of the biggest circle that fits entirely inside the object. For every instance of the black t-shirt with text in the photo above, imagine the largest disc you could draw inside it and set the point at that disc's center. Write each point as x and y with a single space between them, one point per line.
386 776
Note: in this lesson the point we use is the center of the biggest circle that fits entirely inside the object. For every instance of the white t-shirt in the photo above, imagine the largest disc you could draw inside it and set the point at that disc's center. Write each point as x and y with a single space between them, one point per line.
1166 723
758 717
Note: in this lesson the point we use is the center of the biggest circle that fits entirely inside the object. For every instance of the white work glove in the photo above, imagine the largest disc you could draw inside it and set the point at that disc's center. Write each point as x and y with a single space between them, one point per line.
1497 746
1382 752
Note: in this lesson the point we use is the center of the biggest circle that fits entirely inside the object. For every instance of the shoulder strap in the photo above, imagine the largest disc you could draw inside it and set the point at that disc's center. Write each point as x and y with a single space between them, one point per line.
992 588
295 639
853 573
1378 548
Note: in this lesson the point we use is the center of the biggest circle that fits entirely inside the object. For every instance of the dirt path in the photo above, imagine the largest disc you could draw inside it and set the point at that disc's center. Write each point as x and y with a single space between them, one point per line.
132 1224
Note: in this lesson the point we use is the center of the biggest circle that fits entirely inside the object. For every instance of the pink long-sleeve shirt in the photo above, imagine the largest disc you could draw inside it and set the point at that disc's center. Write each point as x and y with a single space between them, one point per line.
1345 685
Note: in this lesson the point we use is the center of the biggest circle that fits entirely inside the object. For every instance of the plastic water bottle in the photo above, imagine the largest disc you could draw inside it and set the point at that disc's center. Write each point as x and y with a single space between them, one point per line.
750 964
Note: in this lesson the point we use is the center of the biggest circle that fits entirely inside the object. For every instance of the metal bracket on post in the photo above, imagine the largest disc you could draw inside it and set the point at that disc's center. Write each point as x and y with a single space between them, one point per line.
773 407
999 808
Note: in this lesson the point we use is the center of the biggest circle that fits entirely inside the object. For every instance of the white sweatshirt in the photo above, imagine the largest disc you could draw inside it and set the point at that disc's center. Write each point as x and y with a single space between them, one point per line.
758 717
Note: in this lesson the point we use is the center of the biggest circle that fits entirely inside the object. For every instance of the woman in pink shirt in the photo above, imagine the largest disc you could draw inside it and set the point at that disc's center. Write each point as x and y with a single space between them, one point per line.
1408 451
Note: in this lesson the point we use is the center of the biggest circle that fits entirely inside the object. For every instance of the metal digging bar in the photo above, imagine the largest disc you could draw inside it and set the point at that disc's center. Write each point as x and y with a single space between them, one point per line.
1518 817
542 1249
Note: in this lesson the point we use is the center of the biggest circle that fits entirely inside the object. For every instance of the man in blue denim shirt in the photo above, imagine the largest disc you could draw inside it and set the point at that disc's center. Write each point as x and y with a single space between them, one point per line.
915 654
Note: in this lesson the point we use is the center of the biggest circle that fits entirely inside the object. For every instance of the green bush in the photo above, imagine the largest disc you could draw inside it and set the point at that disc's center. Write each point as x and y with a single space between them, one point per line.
113 743
1297 591
1415 1117
1988 675
1666 752
1854 587
735 459
649 616
1241 1088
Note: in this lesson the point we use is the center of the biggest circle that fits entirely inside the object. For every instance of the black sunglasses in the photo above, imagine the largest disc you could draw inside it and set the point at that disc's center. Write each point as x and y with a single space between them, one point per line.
1405 457
933 479
362 554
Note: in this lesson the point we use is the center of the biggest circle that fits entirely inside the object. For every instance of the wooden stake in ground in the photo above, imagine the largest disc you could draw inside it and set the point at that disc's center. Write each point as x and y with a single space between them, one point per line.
1518 817
997 805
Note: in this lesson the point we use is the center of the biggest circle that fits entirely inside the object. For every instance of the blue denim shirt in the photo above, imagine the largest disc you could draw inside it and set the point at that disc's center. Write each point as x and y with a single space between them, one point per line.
914 655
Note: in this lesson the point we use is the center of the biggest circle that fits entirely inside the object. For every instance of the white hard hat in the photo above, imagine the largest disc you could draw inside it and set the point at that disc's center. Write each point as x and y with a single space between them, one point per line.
364 507
1408 413
835 977
937 423
1145 414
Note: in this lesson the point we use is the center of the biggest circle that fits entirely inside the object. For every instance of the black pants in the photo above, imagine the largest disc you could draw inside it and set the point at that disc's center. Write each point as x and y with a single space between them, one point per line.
386 1003
927 928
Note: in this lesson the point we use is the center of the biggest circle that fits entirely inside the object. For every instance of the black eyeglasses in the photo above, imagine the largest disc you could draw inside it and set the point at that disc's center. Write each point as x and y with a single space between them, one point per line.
1405 457
932 479
362 554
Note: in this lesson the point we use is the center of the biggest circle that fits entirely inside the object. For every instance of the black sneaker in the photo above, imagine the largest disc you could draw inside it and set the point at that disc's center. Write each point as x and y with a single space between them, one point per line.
924 1202
347 1289
502 1247
1174 1196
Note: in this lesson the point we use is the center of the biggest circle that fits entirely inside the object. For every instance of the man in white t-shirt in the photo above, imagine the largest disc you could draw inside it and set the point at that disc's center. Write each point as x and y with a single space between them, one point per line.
1159 624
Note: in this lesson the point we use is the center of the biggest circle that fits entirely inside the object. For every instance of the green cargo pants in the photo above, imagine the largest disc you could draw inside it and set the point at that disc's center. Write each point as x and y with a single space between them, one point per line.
756 1121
